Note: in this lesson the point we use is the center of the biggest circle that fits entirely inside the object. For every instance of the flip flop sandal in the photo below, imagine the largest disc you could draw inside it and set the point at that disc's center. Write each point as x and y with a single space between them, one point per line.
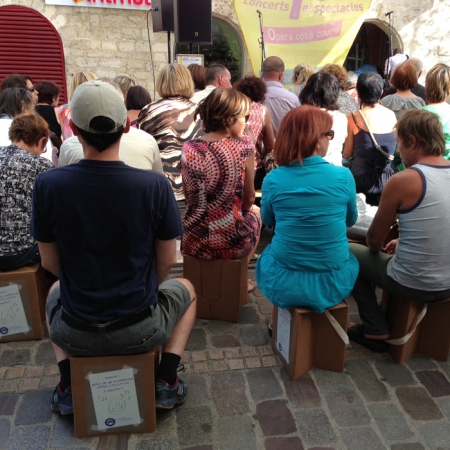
356 334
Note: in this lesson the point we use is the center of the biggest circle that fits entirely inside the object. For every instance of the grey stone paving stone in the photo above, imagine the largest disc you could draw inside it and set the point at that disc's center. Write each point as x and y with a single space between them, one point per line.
197 390
358 438
444 365
157 442
408 446
283 443
444 404
8 404
248 314
252 336
15 358
200 447
394 374
197 340
118 442
436 435
64 434
314 427
366 380
302 392
421 363
418 404
225 341
390 421
166 420
29 438
275 418
219 327
237 432
45 354
263 384
347 409
435 382
228 390
264 305
328 381
195 426
4 432
34 408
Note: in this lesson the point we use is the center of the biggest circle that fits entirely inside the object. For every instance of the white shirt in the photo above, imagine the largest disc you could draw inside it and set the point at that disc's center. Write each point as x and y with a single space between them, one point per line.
5 125
200 95
137 149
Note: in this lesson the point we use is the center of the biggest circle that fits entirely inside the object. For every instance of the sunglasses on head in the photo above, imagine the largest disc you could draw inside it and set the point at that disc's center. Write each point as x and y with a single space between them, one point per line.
329 135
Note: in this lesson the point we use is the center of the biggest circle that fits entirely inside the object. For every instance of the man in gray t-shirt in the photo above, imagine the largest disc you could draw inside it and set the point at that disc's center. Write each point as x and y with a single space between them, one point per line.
416 266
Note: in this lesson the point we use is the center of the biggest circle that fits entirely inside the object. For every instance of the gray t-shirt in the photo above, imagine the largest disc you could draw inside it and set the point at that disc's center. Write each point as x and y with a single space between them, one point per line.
401 104
422 256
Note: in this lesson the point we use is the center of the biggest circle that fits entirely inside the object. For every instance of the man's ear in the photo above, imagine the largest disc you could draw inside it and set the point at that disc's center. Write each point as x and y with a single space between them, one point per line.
74 128
281 77
127 126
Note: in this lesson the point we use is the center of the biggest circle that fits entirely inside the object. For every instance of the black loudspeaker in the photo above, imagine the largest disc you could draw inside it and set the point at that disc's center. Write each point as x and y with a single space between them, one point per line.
193 21
163 17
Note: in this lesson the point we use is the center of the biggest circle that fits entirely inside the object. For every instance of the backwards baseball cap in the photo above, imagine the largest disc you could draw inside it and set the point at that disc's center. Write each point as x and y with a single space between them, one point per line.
93 99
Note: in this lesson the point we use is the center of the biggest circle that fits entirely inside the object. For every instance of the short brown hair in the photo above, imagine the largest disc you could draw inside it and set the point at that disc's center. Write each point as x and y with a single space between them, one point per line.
198 75
175 80
273 64
299 133
426 127
253 87
29 128
404 77
338 71
437 84
222 108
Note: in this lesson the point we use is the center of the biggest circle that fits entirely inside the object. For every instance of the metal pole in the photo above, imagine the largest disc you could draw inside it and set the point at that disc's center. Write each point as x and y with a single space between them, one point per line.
168 47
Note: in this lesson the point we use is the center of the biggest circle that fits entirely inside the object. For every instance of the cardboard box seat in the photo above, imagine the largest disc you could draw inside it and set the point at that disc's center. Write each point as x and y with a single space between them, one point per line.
303 339
220 285
417 328
114 394
23 294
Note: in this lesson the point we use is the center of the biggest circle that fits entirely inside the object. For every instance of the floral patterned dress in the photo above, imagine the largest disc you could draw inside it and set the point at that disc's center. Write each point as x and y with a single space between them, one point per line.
215 227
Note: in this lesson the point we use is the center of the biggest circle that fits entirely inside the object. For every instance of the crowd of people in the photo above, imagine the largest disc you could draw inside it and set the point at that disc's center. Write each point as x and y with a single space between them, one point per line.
133 175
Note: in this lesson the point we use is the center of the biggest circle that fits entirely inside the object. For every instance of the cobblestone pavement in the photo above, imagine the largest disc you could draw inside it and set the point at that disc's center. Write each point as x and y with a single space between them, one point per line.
240 397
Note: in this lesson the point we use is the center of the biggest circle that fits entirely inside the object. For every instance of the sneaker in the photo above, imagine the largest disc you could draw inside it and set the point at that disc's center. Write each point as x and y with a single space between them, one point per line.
62 401
168 396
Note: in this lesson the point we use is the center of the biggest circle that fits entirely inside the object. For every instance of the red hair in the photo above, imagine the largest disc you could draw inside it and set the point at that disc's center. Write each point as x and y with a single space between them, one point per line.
299 133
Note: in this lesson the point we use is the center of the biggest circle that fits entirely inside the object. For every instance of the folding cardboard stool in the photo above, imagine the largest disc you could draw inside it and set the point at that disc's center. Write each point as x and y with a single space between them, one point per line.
417 328
221 286
23 295
114 394
315 340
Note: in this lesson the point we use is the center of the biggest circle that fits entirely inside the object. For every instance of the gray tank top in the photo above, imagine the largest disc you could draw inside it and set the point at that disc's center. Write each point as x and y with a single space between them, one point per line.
422 257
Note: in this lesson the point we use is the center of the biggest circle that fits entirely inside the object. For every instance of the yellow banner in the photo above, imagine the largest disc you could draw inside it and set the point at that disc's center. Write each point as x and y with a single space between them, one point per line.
314 32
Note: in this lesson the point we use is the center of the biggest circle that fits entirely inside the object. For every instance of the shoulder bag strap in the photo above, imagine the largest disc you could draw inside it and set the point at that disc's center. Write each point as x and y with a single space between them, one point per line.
375 143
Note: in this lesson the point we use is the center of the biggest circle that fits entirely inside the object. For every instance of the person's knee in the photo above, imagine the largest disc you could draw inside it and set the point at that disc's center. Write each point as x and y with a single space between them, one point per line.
189 286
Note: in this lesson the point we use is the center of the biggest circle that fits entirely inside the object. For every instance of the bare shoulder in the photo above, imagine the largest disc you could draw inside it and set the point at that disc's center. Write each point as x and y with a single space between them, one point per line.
406 187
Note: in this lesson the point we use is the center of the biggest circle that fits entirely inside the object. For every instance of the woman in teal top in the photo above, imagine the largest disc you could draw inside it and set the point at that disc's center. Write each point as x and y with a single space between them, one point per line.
312 202
437 92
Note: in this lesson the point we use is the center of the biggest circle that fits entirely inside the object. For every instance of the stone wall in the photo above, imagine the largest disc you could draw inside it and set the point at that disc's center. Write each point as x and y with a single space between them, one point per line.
113 42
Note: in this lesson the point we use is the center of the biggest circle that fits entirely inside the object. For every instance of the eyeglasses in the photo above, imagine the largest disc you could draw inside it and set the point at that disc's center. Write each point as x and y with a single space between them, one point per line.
329 135
31 89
